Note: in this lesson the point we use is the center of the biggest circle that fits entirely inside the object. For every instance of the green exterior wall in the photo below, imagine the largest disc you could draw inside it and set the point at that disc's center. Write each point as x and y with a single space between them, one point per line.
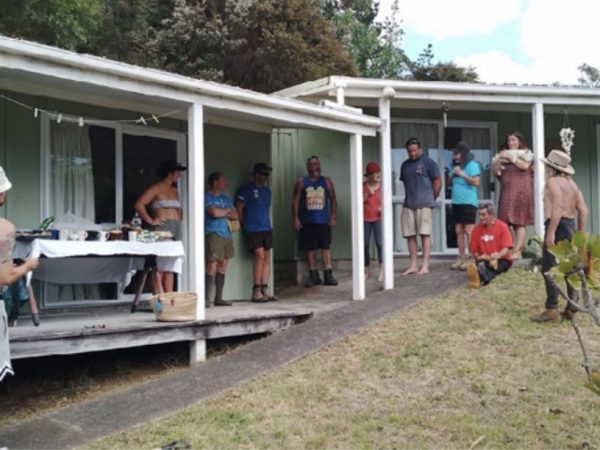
231 151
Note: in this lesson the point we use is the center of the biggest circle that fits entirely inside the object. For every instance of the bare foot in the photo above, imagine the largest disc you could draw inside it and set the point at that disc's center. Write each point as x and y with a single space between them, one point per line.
410 271
423 270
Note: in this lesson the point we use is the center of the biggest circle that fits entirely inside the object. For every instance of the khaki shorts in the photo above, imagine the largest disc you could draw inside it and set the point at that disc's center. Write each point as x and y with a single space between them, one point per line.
416 221
218 248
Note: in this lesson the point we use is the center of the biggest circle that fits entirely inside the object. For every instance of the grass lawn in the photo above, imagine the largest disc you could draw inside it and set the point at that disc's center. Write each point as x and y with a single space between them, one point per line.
461 369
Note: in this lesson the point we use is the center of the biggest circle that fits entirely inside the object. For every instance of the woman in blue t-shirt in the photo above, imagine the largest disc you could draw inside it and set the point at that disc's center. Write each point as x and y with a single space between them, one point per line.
465 179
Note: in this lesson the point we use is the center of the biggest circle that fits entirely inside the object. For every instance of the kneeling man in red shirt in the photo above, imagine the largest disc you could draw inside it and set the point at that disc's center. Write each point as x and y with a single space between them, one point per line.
491 244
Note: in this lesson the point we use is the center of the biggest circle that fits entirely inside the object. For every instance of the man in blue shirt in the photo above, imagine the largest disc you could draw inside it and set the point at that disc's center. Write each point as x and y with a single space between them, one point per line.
422 185
218 209
253 204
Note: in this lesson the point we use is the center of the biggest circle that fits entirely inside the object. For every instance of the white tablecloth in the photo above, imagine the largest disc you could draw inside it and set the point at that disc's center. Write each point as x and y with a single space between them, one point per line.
98 262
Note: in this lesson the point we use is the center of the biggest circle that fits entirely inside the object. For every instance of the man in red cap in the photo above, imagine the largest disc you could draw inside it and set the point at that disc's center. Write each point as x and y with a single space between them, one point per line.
372 214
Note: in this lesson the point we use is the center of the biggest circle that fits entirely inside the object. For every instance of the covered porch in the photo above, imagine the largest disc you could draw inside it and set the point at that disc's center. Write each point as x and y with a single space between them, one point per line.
41 86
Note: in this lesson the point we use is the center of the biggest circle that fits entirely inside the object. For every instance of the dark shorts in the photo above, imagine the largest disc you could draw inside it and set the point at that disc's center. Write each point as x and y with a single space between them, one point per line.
260 239
314 236
466 214
218 248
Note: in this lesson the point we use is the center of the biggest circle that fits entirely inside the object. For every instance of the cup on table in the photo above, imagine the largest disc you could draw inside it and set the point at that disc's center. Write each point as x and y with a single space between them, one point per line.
132 236
54 234
77 235
102 236
63 235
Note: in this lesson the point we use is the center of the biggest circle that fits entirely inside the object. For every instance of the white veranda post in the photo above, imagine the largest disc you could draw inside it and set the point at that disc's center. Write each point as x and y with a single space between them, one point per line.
358 232
387 206
537 120
196 219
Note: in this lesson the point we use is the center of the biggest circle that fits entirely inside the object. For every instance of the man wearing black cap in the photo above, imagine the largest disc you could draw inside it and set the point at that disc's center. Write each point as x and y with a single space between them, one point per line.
253 203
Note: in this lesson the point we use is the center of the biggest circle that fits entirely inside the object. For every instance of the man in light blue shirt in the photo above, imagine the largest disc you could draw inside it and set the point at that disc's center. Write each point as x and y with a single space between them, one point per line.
218 209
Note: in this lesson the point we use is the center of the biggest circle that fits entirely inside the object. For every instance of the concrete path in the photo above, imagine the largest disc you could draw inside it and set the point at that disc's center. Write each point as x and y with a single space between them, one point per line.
79 424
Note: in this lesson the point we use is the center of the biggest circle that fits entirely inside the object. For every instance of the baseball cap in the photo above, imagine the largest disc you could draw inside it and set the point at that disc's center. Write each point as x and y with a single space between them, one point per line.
373 167
262 167
169 166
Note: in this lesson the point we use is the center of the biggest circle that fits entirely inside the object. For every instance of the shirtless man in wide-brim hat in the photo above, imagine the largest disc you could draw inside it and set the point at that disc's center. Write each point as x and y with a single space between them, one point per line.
563 203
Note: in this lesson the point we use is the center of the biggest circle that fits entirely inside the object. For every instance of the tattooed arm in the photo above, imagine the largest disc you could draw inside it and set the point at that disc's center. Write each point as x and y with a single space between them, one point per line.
9 273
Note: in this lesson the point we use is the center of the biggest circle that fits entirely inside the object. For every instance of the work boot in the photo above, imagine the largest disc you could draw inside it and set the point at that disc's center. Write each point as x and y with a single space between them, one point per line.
459 261
568 313
465 263
264 289
548 315
313 278
328 277
221 302
474 280
257 295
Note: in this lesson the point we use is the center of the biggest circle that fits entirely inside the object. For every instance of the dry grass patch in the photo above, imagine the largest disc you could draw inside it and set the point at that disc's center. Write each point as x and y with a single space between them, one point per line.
462 367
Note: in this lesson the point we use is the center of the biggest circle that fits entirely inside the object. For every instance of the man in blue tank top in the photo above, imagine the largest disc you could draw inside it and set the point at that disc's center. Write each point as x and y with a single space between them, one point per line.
253 204
314 208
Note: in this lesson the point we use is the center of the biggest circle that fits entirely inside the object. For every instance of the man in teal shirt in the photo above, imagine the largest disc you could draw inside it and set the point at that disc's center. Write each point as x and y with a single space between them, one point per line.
218 209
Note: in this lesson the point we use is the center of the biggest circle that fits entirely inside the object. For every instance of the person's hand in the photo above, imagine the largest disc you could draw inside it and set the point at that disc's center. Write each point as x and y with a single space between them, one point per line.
456 170
32 264
549 241
297 224
332 222
160 222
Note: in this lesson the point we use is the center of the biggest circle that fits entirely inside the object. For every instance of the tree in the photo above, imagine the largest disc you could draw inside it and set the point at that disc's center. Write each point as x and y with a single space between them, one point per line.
285 42
375 47
423 69
68 24
589 76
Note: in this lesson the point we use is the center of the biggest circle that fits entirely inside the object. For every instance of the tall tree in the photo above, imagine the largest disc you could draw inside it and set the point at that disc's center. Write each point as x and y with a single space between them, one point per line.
375 47
424 69
69 24
589 76
285 42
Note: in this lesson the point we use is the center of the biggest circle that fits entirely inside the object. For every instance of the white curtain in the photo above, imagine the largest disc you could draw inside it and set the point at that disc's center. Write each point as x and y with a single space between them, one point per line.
71 175
71 191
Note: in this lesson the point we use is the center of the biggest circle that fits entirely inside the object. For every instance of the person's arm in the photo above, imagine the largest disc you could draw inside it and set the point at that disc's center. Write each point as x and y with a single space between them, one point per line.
296 204
333 200
217 213
239 207
9 273
553 198
436 183
582 211
140 207
522 164
474 180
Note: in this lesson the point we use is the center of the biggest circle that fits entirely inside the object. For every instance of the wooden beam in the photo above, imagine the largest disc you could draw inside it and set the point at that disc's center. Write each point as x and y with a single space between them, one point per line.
387 203
537 120
358 232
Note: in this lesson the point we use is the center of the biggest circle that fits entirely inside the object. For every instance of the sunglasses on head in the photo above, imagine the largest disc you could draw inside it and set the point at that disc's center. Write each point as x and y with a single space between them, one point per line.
310 158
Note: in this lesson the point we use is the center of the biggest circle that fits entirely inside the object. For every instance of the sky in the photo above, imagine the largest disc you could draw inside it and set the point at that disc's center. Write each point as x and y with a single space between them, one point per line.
507 41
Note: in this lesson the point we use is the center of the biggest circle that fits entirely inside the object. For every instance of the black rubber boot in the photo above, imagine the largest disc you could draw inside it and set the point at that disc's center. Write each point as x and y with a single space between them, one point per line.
220 284
313 278
208 282
329 279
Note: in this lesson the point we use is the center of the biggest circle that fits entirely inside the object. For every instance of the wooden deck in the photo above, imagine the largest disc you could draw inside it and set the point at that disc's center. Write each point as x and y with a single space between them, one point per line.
87 331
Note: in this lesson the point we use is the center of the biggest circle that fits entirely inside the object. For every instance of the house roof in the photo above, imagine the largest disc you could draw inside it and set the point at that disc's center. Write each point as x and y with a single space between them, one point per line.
364 91
38 69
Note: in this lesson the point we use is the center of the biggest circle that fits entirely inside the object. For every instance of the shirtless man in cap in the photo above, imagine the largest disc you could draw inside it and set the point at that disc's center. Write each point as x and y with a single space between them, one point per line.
563 202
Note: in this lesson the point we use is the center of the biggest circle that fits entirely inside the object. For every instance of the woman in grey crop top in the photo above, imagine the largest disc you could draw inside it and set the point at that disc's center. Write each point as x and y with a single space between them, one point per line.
159 206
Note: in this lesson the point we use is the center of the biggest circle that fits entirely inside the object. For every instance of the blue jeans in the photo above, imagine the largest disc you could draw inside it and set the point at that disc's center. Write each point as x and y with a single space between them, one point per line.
376 228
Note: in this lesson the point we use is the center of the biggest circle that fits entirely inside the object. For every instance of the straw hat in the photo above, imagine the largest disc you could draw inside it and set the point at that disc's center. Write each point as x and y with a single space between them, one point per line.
5 184
559 160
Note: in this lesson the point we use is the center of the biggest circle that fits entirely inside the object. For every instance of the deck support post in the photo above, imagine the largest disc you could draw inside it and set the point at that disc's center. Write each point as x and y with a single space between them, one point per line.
358 231
196 220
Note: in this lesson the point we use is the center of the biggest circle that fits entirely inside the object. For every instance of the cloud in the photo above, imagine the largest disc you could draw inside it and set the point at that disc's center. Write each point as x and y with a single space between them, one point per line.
446 19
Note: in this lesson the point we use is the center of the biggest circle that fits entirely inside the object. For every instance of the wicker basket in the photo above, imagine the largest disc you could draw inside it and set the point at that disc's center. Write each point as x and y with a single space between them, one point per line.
174 306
